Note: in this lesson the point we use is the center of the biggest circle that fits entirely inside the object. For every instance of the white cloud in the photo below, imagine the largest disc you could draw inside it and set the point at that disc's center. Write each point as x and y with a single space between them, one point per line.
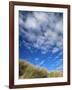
31 23
55 50
36 59
60 67
42 62
41 17
44 52
21 22
59 55
42 31
59 42
59 26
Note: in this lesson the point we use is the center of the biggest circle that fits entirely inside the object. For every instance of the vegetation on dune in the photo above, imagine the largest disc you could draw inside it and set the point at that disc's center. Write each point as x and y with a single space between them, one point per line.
27 70
55 74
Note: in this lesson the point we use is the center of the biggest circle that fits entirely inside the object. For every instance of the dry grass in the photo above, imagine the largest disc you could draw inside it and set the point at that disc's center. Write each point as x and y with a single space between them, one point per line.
27 70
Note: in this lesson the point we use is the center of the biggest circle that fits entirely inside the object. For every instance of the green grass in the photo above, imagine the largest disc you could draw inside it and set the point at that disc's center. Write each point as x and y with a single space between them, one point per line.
27 70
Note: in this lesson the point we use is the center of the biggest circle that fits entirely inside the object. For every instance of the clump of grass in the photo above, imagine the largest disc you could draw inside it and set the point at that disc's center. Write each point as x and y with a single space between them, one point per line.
26 70
55 74
22 67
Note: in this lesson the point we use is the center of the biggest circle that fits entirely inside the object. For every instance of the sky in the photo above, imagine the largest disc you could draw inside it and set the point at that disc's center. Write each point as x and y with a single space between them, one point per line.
41 39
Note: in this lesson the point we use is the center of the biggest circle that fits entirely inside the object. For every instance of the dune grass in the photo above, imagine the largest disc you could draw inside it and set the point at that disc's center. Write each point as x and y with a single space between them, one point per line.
55 74
27 70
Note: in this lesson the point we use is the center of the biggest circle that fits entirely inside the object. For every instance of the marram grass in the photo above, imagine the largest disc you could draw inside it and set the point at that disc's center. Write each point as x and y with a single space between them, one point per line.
27 70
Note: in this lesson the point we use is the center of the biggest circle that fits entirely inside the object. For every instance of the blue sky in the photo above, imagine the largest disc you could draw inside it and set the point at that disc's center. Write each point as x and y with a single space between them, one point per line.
41 39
